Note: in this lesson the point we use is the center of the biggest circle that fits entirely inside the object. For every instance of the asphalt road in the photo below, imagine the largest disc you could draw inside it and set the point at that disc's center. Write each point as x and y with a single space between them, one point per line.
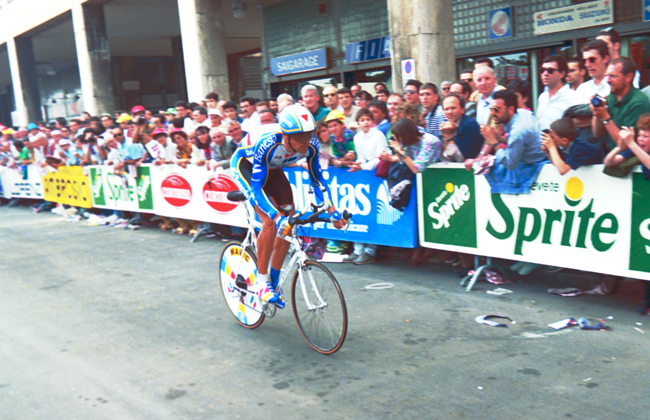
105 323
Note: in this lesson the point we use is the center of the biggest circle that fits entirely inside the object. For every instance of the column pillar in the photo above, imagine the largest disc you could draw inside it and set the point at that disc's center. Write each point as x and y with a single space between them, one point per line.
422 30
204 48
94 58
24 80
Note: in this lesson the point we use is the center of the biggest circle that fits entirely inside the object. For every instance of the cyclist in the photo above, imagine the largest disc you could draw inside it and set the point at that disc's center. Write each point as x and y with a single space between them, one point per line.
257 169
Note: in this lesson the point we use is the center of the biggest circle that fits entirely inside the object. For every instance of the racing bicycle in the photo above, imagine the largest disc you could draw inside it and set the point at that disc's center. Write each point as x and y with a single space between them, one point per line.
316 298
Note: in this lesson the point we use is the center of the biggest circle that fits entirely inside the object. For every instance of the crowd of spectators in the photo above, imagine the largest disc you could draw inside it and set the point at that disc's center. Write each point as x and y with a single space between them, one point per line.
591 111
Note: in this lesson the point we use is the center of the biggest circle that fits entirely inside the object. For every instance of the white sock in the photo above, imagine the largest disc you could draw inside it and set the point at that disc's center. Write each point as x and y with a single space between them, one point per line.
262 278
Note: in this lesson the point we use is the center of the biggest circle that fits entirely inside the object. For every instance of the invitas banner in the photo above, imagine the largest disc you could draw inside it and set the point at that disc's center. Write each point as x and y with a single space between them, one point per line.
194 193
584 220
68 185
21 182
126 191
367 197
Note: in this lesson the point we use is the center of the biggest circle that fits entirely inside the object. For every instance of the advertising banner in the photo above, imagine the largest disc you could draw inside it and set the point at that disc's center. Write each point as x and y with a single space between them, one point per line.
121 191
68 185
195 193
367 50
24 182
577 16
584 220
367 197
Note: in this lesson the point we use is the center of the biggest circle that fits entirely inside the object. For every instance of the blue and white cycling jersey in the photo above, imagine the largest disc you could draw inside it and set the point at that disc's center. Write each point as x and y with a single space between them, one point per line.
264 148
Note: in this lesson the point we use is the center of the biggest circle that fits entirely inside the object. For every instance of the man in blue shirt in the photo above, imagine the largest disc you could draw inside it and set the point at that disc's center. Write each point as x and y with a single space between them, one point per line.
567 152
460 129
432 113
379 115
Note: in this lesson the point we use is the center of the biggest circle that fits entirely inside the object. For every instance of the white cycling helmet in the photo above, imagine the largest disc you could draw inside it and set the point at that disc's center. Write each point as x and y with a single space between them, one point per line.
296 119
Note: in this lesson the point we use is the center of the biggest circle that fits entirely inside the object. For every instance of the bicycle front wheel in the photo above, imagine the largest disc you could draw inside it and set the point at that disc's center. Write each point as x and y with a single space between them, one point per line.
319 307
238 272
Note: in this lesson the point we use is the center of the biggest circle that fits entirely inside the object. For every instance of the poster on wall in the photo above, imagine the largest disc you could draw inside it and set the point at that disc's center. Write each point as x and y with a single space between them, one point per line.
500 21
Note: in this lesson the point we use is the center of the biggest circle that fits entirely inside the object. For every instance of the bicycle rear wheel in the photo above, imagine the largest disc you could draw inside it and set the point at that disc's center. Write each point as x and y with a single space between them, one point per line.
319 307
238 270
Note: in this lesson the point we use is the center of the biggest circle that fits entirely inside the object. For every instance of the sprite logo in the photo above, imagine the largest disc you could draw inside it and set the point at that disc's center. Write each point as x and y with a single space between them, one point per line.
570 227
449 207
454 197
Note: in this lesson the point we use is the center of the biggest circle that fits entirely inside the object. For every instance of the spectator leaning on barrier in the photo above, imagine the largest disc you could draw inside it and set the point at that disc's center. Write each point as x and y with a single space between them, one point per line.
220 148
341 139
379 113
464 90
168 153
236 133
347 107
596 58
624 105
415 148
311 100
412 93
576 73
369 143
557 95
331 97
432 114
461 134
565 150
629 153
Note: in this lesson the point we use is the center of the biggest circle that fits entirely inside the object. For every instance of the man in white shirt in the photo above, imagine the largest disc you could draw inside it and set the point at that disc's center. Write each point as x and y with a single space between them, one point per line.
250 116
596 57
613 40
576 73
200 116
347 107
557 95
486 84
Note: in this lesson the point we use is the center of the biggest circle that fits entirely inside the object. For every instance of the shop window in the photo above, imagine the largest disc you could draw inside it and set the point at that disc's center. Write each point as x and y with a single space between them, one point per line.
507 67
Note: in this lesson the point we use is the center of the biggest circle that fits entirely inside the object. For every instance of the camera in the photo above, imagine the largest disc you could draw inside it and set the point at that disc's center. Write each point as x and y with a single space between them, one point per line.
597 101
546 131
141 120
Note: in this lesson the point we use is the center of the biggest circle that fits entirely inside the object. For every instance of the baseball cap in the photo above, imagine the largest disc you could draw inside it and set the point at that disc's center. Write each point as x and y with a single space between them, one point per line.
8 131
137 108
63 142
171 111
214 111
335 115
123 118
157 131
32 126
55 132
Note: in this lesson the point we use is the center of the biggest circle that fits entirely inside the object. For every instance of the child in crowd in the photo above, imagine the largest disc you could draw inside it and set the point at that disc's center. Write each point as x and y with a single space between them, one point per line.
565 150
369 143
622 159
342 140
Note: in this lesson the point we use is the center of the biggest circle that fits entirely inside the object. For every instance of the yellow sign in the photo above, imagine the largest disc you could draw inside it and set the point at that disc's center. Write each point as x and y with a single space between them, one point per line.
69 186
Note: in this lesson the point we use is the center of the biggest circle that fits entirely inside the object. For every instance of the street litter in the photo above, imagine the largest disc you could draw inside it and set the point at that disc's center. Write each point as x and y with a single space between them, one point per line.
379 286
333 258
610 317
479 387
499 291
567 292
638 323
482 319
569 322
491 276
639 330
585 380
585 326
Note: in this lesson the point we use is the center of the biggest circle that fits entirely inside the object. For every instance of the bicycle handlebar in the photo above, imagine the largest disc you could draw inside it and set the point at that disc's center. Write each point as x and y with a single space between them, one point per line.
294 221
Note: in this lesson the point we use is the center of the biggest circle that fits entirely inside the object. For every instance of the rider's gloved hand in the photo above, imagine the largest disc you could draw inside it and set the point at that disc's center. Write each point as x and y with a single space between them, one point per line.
335 216
282 226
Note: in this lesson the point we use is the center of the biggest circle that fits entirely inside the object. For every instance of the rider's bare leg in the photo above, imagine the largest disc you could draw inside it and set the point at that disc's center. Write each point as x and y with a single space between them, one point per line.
268 242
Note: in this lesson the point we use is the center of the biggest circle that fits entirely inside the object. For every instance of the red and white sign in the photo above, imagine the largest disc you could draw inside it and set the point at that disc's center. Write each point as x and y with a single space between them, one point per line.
176 190
215 193
500 72
196 193
523 72
511 72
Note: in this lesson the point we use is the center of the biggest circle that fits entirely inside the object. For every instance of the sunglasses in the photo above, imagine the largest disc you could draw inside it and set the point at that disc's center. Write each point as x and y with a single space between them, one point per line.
591 60
548 70
330 95
446 89
410 92
495 109
467 80
118 135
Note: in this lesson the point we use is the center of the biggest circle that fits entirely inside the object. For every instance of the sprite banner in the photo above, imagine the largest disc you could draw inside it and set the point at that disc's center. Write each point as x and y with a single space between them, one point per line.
584 220
121 191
